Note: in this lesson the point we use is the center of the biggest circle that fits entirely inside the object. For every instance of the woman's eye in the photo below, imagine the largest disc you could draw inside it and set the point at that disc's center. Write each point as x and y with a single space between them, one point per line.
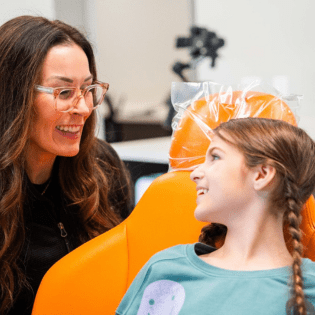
66 94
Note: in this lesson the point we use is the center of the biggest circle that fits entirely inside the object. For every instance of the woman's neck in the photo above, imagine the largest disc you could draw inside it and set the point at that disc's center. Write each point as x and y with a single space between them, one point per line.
39 167
253 245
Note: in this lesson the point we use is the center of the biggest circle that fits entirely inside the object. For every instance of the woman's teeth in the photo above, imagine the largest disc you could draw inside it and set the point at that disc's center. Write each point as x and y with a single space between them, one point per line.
72 129
202 192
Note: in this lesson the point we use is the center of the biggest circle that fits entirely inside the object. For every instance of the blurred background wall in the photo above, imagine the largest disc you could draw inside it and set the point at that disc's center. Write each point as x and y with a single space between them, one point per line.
135 46
13 8
271 40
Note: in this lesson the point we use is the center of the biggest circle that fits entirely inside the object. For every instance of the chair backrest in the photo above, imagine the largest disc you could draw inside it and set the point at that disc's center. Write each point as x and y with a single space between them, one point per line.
93 278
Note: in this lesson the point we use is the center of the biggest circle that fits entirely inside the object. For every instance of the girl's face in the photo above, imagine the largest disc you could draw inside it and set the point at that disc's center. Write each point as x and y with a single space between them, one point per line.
224 184
56 133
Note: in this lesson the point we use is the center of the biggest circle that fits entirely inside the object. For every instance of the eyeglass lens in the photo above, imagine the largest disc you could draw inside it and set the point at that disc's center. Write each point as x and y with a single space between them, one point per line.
66 98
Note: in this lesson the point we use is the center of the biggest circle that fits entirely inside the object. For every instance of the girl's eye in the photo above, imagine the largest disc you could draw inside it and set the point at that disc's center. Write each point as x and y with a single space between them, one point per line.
215 157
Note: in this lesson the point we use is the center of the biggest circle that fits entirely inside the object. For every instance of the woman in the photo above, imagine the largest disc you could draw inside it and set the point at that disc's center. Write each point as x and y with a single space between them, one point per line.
257 175
59 185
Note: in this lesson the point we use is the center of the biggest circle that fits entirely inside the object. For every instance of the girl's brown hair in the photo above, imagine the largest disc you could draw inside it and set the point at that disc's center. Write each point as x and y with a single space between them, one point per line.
24 43
292 152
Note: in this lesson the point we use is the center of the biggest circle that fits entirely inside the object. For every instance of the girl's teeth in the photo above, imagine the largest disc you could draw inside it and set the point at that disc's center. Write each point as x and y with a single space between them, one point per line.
202 191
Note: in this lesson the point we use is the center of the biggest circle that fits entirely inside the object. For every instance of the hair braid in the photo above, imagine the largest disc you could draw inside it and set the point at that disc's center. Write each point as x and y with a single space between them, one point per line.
293 216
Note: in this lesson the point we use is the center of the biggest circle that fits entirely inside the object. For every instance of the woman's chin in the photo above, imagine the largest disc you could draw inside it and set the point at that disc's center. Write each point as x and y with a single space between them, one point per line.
69 152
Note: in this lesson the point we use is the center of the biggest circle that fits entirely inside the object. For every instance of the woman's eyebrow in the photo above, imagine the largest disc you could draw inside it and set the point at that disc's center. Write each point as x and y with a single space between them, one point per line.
88 78
68 79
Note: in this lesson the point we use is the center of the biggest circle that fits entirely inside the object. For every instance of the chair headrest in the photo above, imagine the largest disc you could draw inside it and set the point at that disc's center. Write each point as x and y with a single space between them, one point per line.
192 136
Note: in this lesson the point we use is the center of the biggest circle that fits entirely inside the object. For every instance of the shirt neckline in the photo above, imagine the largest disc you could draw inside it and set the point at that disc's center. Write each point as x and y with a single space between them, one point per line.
220 272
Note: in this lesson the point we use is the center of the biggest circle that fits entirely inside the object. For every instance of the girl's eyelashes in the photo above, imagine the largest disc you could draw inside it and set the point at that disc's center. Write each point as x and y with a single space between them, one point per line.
215 157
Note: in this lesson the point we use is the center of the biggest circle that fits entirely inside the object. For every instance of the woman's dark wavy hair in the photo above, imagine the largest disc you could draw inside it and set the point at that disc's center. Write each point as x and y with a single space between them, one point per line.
24 43
292 152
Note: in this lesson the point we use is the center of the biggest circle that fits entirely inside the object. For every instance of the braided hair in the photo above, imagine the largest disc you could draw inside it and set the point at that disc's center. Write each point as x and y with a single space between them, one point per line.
292 153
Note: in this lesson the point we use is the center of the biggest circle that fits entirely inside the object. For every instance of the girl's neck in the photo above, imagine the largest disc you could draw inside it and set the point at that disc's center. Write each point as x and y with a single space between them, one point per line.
256 245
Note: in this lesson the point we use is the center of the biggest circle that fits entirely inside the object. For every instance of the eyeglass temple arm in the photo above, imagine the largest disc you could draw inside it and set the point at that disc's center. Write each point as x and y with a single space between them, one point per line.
44 89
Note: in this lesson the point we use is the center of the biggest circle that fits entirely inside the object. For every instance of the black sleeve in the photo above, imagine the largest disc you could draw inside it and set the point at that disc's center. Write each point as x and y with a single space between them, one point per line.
121 190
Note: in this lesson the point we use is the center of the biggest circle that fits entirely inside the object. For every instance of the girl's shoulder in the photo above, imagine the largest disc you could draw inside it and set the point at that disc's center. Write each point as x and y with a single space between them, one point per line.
177 251
308 267
183 251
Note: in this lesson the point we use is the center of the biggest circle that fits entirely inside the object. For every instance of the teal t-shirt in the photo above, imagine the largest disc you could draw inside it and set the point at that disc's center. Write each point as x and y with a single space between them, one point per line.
176 281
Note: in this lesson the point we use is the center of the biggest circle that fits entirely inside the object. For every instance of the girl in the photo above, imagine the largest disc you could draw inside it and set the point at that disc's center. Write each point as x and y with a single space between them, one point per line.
257 175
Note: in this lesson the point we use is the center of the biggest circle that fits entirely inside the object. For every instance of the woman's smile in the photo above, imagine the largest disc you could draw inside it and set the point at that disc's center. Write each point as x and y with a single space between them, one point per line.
69 128
59 133
71 132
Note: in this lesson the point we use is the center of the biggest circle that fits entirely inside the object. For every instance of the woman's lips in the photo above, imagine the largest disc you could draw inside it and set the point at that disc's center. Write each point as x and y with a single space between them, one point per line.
69 134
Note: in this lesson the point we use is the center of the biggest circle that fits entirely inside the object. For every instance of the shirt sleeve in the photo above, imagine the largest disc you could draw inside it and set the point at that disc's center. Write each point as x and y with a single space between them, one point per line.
152 271
133 290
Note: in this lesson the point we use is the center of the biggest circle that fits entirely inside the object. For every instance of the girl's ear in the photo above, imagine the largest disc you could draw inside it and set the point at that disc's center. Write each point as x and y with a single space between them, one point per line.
264 177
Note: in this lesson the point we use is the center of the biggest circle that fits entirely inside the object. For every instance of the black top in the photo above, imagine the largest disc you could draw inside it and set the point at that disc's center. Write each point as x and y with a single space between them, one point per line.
52 226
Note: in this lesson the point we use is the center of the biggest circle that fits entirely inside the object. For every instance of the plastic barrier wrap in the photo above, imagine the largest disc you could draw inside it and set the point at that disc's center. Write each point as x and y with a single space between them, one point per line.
201 107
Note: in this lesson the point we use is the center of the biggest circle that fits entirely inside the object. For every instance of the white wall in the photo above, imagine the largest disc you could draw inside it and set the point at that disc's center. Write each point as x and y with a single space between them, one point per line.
136 49
134 44
13 8
264 39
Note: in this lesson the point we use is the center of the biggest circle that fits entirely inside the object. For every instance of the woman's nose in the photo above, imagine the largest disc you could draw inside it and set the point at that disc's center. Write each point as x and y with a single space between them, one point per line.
81 107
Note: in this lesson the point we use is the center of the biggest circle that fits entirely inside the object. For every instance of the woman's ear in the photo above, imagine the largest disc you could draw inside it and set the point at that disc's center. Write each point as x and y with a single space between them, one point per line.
264 177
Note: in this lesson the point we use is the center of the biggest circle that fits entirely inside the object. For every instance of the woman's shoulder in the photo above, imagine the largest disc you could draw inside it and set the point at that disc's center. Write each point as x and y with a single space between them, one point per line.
105 151
109 160
120 187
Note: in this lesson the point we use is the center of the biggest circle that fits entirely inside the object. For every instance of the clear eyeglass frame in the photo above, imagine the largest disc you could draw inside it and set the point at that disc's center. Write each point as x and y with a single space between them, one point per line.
58 90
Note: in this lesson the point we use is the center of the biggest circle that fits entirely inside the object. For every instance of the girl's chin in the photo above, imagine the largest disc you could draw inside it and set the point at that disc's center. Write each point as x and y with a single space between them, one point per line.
200 216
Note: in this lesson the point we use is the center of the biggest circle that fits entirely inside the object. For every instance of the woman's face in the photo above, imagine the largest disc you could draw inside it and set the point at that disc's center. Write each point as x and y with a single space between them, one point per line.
55 133
223 181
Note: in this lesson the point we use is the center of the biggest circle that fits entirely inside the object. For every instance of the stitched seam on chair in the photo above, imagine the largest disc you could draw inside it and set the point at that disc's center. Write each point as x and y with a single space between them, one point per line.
311 226
309 217
128 255
307 246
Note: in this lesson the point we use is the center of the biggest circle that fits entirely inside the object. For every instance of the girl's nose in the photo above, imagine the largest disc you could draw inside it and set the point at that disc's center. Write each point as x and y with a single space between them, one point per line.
197 173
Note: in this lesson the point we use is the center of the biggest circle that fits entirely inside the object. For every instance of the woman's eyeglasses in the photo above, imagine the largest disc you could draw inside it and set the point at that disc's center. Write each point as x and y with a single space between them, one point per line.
66 98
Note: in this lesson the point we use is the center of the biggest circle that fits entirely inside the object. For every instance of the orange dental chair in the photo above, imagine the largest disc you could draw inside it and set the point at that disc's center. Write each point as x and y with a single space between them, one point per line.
93 278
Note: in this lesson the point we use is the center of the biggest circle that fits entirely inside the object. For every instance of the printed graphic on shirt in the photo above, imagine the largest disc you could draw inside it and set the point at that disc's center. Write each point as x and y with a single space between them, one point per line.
162 297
